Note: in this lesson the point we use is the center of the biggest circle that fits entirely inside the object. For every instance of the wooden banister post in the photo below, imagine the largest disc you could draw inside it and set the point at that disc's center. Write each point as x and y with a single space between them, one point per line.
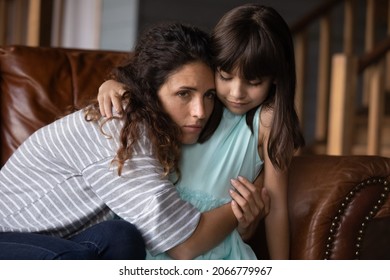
323 79
342 104
387 71
33 27
3 22
349 26
301 68
369 40
376 109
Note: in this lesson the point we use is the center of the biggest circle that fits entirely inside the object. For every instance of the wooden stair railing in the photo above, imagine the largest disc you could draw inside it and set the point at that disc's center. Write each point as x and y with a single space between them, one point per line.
342 99
341 82
376 60
300 29
3 22
26 22
345 71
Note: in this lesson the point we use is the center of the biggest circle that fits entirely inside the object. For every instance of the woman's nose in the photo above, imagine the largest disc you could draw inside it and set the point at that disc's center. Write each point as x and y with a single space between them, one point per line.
198 108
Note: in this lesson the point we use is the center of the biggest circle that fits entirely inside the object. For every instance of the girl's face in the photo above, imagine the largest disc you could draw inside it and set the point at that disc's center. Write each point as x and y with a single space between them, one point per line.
188 98
238 94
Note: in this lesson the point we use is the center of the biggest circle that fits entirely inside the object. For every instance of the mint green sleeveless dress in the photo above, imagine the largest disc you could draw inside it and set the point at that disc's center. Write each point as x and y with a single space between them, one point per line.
206 172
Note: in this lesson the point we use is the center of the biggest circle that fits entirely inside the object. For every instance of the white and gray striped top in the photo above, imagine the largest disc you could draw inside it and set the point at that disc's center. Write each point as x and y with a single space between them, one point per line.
62 180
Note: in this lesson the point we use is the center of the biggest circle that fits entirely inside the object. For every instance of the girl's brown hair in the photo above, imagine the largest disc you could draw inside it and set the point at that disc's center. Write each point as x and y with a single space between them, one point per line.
256 40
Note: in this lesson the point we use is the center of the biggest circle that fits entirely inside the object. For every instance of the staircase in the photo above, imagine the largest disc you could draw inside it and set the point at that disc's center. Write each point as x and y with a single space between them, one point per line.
353 86
361 130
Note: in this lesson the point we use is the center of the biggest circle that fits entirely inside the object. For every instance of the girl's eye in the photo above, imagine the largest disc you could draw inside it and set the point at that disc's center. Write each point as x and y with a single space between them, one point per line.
255 82
224 76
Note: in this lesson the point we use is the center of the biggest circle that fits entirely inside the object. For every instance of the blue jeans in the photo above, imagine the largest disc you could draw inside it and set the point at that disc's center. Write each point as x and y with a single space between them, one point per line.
109 240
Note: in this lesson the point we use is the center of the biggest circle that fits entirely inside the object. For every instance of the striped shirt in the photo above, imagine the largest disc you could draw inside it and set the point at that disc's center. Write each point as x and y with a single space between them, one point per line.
62 180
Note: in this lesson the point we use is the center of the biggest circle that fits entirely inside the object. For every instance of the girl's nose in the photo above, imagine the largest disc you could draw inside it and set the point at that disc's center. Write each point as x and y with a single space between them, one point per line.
236 90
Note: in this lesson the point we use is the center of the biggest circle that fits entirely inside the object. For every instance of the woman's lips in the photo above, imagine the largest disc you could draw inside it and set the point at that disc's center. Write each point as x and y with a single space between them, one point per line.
193 128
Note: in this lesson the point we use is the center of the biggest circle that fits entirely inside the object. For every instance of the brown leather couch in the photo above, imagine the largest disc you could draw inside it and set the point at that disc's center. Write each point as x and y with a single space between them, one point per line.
339 206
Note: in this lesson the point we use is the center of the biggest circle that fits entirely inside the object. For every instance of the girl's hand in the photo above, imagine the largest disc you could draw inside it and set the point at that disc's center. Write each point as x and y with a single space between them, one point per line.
250 204
110 93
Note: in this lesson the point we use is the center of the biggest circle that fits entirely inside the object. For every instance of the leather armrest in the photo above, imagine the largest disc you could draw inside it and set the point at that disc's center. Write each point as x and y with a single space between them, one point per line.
333 203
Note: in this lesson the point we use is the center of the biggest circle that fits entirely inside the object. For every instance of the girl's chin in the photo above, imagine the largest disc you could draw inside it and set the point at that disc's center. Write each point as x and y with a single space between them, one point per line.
236 111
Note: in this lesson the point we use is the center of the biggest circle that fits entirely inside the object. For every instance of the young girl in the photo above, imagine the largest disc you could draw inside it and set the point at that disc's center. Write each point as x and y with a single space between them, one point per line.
61 189
255 80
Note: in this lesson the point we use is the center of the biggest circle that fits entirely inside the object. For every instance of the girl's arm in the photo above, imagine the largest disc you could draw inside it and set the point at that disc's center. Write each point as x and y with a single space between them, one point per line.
250 204
109 95
245 210
276 222
250 214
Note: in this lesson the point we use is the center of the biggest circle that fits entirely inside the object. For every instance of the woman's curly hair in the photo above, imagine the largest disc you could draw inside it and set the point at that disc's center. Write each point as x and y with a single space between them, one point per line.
160 52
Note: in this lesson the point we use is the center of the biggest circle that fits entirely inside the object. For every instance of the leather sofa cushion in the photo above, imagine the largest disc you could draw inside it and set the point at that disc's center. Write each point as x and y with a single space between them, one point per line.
39 85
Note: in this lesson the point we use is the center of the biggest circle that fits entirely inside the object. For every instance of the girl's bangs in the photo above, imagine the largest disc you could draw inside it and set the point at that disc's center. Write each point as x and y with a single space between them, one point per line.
254 59
259 59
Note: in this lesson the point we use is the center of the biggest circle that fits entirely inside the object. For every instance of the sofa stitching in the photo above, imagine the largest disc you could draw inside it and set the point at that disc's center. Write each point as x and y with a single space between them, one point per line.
347 200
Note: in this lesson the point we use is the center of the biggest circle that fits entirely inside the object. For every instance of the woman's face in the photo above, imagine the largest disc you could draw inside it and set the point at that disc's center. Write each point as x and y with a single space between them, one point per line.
188 98
238 94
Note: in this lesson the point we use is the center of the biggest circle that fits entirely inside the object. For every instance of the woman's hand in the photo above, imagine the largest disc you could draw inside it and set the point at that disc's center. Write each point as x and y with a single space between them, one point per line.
250 204
109 95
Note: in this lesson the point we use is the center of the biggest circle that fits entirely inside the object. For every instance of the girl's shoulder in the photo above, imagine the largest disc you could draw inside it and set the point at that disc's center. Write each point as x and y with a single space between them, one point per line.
265 122
266 117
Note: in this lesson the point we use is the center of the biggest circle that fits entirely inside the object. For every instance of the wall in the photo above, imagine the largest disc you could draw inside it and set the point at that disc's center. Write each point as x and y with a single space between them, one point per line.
79 26
205 13
119 24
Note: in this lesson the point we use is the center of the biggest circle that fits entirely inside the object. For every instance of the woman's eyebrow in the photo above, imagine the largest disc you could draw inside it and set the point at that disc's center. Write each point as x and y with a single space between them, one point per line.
187 88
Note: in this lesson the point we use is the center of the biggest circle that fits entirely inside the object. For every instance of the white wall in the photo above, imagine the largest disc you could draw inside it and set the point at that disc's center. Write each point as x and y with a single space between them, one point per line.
81 24
99 24
119 24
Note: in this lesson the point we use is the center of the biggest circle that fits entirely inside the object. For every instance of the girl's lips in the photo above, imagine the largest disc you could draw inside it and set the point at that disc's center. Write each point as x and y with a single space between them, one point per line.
236 104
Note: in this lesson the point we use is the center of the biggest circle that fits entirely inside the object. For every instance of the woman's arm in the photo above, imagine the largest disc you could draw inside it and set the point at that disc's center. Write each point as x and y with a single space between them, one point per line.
246 209
250 204
214 226
276 222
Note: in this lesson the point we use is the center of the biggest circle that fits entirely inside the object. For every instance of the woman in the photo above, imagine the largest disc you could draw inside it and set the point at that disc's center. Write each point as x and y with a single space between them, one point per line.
61 189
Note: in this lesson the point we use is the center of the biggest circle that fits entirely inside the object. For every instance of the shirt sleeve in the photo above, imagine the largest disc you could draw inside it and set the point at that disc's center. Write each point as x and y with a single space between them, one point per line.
144 198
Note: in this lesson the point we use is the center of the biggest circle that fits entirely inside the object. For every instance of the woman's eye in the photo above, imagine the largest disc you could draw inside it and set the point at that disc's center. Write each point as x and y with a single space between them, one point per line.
183 93
210 94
